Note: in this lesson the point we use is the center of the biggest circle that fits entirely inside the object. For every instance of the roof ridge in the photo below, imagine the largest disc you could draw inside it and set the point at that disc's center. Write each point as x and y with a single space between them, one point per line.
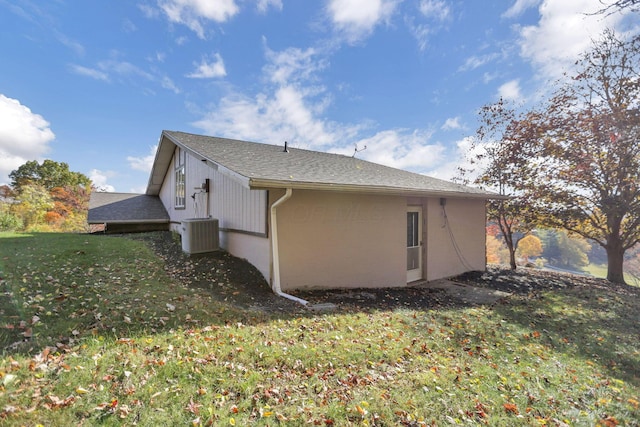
268 144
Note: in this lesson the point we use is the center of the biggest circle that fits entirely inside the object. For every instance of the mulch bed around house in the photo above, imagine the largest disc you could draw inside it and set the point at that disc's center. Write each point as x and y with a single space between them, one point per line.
237 282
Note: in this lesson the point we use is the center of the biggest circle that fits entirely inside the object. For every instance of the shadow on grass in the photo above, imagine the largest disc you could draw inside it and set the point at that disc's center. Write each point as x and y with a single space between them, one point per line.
62 288
592 324
590 320
65 287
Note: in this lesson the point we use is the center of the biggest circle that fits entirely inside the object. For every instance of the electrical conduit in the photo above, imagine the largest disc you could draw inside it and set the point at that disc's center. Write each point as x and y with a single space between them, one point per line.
275 286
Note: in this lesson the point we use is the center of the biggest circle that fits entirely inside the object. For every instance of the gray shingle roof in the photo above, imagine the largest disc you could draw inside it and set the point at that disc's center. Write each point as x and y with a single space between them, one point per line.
269 166
125 208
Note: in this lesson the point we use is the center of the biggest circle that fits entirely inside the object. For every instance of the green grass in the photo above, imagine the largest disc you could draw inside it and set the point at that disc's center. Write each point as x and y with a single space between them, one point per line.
600 271
127 345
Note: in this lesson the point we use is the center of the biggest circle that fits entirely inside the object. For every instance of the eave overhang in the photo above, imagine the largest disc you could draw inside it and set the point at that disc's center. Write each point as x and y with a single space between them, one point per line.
130 221
265 184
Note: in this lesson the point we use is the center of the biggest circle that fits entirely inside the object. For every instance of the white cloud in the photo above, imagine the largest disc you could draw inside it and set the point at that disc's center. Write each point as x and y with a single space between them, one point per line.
293 65
75 46
99 180
209 70
452 123
400 148
264 5
474 62
168 84
89 72
291 106
114 69
287 108
289 114
489 77
292 115
123 68
565 30
510 90
143 163
128 26
193 13
435 9
421 32
465 149
149 11
356 19
519 7
436 12
24 136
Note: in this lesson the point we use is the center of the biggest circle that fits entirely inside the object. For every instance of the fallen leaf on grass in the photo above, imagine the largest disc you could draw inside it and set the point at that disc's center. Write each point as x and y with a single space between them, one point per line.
55 402
193 407
608 422
511 408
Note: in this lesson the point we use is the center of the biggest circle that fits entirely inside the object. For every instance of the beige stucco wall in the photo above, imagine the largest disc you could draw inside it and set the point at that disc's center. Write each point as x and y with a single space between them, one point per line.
254 249
341 240
464 225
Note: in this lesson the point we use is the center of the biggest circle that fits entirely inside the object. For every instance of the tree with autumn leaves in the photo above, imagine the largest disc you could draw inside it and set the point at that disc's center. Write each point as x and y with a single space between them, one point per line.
574 162
45 196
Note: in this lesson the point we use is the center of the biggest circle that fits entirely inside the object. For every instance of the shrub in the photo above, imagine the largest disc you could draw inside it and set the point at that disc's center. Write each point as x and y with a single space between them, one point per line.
10 222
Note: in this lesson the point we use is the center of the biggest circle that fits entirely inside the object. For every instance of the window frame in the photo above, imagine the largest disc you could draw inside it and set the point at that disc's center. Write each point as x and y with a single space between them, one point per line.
180 180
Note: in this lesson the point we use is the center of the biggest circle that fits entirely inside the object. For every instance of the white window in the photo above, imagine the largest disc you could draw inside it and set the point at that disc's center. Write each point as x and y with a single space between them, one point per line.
181 188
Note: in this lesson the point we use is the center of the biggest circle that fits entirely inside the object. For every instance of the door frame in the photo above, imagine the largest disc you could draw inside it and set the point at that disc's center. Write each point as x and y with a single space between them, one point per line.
416 273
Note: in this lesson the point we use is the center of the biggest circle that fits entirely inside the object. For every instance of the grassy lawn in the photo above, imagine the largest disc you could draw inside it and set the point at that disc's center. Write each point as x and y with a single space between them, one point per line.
600 270
93 331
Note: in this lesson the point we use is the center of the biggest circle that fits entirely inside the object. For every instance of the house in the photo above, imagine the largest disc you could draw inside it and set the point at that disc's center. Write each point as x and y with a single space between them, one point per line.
308 219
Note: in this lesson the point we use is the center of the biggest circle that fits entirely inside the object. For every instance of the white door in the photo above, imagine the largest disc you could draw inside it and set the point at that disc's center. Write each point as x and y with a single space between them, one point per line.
414 243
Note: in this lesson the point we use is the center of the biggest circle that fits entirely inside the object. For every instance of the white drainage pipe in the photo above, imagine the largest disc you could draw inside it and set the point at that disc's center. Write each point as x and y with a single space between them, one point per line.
275 286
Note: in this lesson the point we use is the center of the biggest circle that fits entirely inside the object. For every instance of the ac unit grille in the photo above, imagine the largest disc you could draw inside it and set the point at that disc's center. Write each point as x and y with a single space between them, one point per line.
200 235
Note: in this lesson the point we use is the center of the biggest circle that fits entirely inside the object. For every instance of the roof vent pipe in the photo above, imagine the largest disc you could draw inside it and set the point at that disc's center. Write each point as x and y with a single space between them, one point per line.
286 147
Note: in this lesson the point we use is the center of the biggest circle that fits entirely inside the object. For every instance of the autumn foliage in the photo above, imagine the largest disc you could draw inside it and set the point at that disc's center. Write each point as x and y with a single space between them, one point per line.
573 162
45 197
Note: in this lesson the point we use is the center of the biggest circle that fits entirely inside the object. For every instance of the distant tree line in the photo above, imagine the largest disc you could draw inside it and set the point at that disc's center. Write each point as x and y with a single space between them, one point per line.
542 248
44 196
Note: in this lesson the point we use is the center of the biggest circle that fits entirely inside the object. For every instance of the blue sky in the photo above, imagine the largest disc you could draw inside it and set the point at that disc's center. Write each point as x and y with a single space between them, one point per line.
93 83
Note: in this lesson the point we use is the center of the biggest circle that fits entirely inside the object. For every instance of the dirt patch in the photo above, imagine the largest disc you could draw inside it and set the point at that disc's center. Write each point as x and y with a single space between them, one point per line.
237 282
529 281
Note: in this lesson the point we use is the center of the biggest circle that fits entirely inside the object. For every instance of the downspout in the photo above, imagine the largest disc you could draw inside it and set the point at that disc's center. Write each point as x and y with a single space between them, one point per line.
275 286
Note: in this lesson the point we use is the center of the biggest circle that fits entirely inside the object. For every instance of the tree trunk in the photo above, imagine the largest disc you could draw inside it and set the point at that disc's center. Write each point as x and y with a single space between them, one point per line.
615 261
512 257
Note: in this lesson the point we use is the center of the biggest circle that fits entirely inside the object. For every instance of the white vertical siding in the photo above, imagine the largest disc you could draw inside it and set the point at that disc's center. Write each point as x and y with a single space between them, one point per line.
236 207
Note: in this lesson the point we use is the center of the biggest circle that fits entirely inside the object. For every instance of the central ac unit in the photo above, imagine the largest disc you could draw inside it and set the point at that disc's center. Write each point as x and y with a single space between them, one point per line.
200 235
